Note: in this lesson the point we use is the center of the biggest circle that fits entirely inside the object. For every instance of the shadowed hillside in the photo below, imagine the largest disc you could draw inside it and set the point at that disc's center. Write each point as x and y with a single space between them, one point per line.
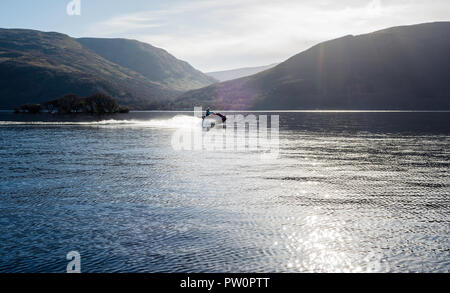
398 68
38 66
154 63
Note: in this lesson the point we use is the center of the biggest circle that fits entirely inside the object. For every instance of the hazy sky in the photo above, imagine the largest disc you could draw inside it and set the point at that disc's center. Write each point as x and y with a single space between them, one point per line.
215 35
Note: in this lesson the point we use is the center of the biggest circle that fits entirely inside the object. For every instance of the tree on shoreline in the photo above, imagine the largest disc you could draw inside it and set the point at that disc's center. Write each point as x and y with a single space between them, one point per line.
100 104
72 103
31 108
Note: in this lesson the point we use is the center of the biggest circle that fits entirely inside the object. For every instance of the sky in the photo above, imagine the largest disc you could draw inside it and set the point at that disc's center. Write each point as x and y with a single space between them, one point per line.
217 35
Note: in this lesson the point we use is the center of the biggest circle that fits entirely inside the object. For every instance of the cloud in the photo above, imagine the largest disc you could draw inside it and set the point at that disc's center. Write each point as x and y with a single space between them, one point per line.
214 35
130 23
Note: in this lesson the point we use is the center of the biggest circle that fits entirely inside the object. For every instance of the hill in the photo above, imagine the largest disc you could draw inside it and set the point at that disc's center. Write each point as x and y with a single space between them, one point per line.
238 73
154 63
404 67
39 66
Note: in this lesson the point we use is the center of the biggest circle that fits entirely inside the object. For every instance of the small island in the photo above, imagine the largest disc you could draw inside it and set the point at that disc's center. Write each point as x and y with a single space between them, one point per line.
74 104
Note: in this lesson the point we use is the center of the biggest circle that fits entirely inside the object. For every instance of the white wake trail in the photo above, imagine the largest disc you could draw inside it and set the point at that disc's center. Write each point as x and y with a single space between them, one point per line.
179 121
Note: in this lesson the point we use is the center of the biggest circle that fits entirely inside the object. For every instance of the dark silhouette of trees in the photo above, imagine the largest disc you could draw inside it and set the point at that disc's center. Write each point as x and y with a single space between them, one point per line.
71 103
31 108
124 110
51 106
101 104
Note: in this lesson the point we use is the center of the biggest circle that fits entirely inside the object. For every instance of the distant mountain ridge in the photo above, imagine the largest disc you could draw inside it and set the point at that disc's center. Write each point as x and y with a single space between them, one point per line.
39 66
405 67
226 75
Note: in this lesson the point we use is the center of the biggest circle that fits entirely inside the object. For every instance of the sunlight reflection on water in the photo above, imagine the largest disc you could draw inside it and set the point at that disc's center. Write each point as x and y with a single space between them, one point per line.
349 192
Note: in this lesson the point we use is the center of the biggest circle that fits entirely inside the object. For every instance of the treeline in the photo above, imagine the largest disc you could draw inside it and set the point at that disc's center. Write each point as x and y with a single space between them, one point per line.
95 104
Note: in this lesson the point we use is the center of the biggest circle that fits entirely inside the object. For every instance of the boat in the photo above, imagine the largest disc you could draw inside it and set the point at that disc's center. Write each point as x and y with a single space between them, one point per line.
213 120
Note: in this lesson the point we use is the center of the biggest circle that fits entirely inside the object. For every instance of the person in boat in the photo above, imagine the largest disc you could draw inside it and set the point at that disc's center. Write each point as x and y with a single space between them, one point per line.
208 113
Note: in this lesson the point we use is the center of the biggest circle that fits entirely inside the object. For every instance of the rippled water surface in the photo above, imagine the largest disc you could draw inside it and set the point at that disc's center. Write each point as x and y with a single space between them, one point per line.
348 192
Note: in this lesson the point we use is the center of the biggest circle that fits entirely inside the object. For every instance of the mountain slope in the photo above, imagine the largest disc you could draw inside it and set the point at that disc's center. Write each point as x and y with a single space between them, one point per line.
398 68
39 66
238 73
154 63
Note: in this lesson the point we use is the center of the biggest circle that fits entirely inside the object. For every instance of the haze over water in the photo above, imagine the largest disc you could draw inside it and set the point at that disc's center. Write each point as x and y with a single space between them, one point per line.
350 191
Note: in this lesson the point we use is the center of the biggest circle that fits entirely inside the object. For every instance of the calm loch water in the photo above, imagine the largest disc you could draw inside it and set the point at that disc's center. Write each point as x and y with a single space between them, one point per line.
350 191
